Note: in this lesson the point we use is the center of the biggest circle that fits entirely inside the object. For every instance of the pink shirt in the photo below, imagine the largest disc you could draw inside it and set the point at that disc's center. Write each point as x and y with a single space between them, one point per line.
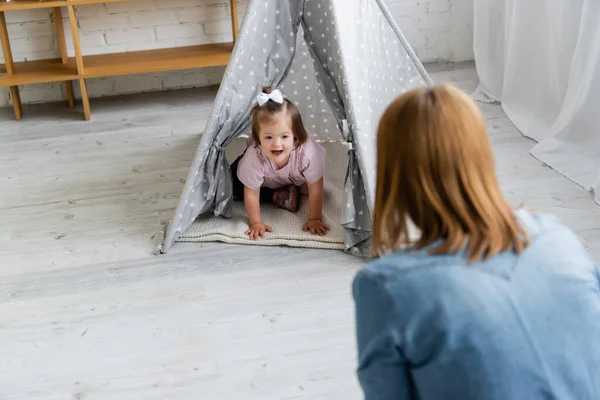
306 165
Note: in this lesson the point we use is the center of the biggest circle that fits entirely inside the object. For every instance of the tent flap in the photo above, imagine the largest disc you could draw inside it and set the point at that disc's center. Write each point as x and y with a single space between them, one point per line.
325 53
261 57
357 218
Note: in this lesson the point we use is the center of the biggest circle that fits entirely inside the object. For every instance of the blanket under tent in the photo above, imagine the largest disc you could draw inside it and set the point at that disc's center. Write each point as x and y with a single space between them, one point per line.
341 62
287 226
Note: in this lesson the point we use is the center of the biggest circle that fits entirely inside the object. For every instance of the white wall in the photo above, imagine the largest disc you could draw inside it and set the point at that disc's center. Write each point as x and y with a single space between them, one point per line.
439 30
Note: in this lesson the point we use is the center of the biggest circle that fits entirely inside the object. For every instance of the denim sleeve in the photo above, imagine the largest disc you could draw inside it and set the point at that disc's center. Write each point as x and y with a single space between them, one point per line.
382 371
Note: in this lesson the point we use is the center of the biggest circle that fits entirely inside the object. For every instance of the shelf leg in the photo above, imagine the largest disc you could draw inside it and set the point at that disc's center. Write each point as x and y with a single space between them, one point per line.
234 19
76 42
16 100
85 99
62 44
79 60
10 66
70 93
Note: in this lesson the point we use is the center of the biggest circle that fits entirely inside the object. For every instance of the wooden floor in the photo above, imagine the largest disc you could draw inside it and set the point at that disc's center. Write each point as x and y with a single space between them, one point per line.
88 312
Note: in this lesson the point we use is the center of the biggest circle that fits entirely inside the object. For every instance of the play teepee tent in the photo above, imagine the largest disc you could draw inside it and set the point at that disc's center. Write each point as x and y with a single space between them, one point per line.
341 62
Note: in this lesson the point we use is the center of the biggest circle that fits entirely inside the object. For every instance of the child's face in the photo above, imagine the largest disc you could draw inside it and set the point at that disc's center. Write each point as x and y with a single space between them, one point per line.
277 139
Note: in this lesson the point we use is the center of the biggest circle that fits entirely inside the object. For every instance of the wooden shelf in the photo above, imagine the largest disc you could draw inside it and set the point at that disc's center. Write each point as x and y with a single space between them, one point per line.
30 4
32 72
135 62
84 2
79 68
159 60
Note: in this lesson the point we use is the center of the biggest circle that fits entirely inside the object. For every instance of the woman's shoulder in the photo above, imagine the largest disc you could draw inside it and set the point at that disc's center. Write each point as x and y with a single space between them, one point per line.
414 269
538 223
394 265
415 265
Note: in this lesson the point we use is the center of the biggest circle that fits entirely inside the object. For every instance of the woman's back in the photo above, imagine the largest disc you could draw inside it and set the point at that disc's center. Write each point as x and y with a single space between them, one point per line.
521 326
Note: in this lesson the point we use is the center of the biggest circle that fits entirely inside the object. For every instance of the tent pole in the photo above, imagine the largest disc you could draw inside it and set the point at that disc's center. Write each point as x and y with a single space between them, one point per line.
234 19
405 44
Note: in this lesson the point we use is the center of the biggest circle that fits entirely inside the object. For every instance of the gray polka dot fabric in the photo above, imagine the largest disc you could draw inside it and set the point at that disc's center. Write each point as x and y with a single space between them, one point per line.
341 62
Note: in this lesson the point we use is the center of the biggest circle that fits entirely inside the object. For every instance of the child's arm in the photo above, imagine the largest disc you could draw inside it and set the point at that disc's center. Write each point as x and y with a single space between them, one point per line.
315 213
252 202
315 199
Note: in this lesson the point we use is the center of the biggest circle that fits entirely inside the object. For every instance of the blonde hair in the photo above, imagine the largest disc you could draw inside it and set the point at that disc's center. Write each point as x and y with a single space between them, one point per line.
267 112
435 166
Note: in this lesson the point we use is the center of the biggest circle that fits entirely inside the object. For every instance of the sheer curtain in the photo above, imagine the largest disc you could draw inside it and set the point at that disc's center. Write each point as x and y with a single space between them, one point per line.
541 60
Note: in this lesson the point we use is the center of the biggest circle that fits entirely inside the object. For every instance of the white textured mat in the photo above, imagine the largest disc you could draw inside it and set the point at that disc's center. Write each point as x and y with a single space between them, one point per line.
287 226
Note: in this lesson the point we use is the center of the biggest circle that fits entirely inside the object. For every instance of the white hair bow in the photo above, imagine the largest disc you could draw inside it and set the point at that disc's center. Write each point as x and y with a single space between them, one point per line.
275 95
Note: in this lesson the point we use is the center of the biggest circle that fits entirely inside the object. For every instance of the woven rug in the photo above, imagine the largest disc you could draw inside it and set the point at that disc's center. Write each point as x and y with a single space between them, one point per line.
287 226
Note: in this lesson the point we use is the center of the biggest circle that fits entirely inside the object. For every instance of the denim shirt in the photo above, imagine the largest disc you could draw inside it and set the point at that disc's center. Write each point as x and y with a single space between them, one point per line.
513 327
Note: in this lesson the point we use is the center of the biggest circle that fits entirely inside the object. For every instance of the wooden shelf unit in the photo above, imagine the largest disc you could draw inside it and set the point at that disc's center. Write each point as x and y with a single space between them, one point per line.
27 73
80 67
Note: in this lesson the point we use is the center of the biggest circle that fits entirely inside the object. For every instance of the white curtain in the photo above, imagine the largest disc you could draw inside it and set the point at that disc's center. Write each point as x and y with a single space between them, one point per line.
541 60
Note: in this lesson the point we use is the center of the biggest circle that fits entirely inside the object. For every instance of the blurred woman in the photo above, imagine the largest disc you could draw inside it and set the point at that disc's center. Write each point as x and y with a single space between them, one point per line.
489 302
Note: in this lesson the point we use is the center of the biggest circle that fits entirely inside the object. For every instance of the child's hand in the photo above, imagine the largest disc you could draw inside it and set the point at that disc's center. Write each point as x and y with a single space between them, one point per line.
257 230
316 227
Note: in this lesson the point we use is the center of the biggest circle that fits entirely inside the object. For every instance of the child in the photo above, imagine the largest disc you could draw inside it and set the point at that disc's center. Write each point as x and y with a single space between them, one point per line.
490 302
281 160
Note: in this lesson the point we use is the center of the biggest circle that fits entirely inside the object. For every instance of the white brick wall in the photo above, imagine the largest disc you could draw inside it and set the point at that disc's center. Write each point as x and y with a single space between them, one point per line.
438 30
